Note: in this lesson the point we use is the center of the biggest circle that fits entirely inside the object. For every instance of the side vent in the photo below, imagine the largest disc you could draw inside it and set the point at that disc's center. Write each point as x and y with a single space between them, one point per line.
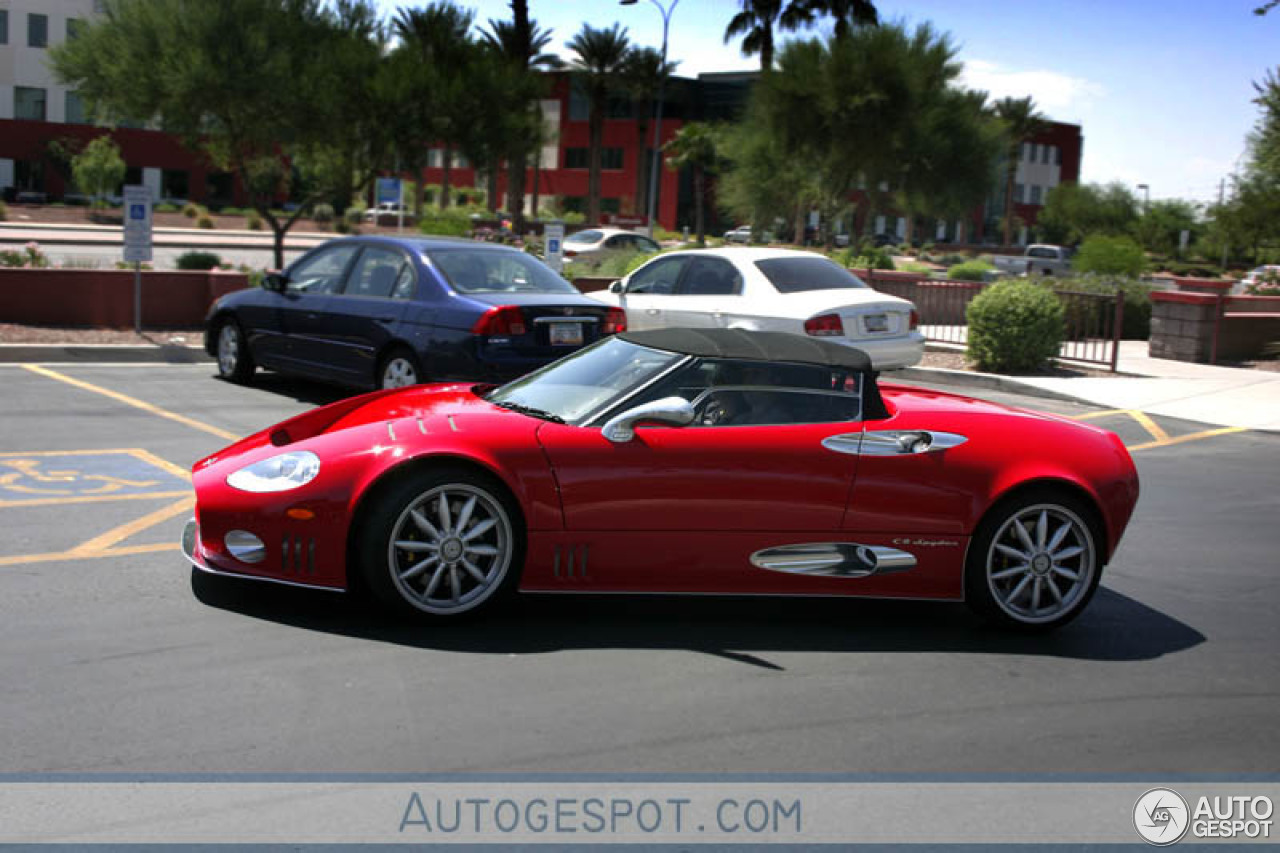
570 562
298 556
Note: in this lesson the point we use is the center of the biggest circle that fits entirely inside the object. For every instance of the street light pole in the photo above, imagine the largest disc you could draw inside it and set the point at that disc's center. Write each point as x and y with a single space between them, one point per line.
1146 197
656 163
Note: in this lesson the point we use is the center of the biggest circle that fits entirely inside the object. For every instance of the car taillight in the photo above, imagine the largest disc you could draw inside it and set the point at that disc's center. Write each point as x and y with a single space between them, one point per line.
500 321
570 253
824 325
614 321
914 321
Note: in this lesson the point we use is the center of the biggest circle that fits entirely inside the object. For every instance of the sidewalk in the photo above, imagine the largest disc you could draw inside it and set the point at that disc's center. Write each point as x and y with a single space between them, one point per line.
1221 396
87 234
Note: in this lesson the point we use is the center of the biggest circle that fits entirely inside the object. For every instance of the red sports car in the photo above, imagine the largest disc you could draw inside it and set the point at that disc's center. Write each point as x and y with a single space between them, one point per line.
674 461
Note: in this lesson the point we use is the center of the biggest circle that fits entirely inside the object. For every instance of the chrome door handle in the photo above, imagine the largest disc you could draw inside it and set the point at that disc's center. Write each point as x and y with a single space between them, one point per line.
893 442
651 310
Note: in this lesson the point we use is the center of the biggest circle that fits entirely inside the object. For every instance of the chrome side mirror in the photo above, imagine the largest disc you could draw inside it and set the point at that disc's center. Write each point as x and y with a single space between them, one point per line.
615 287
674 411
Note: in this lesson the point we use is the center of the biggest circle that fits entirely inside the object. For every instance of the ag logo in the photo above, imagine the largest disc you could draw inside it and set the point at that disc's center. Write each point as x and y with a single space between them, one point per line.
1161 817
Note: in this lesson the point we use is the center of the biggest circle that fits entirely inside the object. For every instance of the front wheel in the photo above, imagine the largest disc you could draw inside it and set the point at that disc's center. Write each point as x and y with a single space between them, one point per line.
235 362
442 545
1034 562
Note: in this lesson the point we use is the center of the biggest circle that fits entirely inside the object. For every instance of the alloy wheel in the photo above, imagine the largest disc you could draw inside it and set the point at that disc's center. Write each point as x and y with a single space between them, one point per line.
1041 563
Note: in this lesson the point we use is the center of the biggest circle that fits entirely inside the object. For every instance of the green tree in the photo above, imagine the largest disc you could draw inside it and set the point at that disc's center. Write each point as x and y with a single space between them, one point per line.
1162 223
600 56
1074 211
757 21
287 94
434 54
643 74
99 168
848 15
1021 121
522 43
696 147
1110 256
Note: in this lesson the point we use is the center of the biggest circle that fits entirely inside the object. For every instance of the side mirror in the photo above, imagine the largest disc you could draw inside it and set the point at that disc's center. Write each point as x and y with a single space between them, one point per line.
675 411
275 281
615 287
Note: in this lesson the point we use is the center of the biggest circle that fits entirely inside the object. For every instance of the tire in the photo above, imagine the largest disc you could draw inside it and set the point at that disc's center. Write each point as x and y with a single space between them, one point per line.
422 559
235 362
399 369
1035 561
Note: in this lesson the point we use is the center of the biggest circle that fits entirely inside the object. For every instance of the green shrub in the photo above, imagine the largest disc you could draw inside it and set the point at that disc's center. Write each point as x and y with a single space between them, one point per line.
198 261
1137 301
449 223
253 220
876 259
29 256
205 221
343 227
974 270
322 214
191 210
1110 256
165 208
352 215
1014 325
4 211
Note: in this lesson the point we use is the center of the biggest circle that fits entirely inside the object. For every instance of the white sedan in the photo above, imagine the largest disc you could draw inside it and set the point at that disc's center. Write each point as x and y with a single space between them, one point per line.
780 290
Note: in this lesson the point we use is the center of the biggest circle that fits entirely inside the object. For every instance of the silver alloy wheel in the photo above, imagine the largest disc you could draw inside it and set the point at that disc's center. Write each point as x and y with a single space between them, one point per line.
399 372
1041 563
228 348
450 549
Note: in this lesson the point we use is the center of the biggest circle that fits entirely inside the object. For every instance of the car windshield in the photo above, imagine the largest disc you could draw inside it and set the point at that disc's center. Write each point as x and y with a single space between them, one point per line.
587 381
584 237
488 271
794 275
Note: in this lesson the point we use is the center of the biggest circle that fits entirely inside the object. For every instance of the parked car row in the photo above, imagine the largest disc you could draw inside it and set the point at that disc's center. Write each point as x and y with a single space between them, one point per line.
386 312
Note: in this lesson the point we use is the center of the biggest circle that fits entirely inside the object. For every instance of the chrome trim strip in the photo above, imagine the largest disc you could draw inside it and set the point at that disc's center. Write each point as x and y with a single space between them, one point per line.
311 558
391 430
297 555
422 428
452 425
834 559
566 319
284 554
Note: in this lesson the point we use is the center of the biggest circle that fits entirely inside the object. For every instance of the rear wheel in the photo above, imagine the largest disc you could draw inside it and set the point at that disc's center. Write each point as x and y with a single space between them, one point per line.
1035 561
442 545
399 369
235 362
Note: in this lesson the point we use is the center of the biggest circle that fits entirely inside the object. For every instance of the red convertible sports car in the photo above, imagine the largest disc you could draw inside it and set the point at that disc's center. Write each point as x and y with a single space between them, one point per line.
674 461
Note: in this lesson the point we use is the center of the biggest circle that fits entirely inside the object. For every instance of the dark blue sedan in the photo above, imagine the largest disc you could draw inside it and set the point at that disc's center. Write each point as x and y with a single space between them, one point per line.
387 312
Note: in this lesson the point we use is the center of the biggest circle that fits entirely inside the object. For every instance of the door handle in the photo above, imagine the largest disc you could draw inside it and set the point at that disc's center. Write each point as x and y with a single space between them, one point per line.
387 319
311 315
893 442
651 311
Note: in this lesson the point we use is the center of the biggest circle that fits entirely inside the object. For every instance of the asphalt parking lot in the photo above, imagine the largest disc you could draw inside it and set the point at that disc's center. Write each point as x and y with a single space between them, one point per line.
113 659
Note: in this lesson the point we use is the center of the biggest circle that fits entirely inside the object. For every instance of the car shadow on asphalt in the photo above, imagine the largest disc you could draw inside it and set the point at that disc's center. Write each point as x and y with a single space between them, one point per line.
303 390
1115 627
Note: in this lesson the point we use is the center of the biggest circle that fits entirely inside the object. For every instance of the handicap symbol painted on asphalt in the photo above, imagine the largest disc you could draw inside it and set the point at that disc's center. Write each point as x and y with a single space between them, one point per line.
83 476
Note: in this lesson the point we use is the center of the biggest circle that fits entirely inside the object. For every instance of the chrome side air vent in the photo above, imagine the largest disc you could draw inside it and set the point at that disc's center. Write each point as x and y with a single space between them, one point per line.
834 559
298 556
570 562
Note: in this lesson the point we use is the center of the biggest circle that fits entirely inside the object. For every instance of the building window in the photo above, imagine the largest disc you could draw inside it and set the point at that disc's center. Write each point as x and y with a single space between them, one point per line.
1046 154
580 158
610 205
1057 156
75 27
29 103
4 26
75 109
1017 193
175 184
37 30
1035 194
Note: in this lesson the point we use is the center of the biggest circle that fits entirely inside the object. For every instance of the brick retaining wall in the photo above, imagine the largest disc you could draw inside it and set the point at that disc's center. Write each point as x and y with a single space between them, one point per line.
104 298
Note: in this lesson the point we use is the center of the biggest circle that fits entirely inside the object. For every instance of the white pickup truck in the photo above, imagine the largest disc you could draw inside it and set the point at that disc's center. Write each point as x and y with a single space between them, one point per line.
1038 259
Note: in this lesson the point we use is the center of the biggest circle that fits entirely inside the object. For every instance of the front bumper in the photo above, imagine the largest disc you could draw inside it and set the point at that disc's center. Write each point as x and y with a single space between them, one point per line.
192 551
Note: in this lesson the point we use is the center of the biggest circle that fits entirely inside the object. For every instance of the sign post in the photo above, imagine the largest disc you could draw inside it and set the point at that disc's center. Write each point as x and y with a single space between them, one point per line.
553 254
137 241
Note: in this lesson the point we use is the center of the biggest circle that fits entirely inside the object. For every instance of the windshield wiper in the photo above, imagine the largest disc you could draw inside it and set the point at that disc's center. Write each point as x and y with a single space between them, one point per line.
531 411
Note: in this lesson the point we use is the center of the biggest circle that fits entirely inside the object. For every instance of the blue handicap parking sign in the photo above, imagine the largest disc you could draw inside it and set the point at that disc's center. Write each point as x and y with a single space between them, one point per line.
553 246
137 211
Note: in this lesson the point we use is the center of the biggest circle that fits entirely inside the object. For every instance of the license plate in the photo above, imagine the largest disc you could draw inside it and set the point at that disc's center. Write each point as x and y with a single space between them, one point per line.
876 322
566 334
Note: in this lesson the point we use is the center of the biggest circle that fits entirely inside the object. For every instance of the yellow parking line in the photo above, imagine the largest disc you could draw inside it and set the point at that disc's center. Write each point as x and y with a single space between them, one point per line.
1150 426
1088 416
1195 436
132 401
101 543
89 499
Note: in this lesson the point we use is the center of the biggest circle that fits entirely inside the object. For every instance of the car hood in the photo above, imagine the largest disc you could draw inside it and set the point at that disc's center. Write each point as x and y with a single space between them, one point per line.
450 407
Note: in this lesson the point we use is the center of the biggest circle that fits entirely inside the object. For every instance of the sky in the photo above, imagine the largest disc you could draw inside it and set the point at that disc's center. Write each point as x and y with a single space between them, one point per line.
1163 90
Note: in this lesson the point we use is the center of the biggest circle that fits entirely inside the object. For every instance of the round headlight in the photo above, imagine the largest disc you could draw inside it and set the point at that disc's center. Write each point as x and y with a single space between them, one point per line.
279 473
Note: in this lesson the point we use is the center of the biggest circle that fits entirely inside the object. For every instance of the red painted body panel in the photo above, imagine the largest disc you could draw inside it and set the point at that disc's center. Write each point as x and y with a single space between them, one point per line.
677 509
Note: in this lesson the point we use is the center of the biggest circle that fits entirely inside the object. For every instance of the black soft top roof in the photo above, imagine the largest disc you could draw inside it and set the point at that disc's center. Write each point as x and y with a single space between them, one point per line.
753 346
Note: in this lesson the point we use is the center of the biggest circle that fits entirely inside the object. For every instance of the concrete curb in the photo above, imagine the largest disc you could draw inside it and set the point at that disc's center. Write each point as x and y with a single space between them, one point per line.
103 353
970 379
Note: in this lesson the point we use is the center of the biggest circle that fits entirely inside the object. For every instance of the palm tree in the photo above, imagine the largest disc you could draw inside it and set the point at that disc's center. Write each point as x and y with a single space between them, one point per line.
696 146
1021 121
521 42
642 76
848 14
601 53
756 23
437 38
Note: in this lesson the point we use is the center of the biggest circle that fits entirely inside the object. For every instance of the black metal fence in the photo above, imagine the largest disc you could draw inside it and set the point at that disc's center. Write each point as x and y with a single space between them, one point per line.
1093 320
